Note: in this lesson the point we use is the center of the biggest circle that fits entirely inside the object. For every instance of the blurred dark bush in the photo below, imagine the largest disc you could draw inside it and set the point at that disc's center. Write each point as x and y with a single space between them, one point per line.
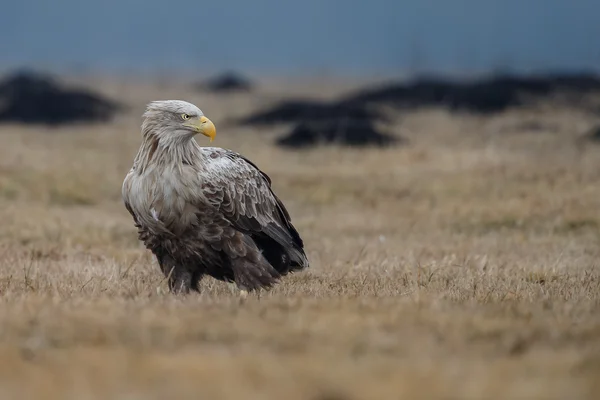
488 95
228 81
32 98
348 133
312 111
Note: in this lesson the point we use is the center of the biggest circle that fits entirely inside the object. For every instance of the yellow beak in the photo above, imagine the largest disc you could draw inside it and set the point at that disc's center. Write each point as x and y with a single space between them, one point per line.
207 128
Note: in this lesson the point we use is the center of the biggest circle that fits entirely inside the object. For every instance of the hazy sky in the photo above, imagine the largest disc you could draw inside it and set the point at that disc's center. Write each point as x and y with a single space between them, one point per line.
306 36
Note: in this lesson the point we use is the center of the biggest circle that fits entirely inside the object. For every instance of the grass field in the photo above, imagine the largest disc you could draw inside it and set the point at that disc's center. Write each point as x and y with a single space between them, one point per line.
462 265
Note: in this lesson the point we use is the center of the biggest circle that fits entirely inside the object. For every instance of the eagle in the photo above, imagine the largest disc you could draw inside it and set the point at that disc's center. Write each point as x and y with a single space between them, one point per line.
206 210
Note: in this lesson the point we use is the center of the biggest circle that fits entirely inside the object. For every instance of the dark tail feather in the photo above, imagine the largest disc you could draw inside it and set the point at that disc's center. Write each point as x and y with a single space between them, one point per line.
298 259
283 258
296 250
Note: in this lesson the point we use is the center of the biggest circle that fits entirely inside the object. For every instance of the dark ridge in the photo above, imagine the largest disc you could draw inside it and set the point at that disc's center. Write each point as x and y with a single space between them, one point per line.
295 111
489 95
347 133
227 82
31 98
321 122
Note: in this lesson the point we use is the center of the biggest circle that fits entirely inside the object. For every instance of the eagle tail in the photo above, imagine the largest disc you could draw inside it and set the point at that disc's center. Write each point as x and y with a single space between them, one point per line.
298 259
284 259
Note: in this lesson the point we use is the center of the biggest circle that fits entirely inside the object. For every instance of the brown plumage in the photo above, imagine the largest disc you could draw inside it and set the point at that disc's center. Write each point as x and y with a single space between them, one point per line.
206 210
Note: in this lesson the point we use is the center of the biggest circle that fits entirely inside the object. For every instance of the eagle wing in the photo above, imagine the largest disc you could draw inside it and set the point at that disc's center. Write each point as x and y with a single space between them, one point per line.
242 193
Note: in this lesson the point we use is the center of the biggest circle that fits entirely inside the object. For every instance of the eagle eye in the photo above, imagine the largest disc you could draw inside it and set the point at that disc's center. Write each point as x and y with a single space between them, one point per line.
185 116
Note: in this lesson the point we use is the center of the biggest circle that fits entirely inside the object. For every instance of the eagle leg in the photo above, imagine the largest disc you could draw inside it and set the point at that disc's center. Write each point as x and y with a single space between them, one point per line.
180 278
196 278
180 282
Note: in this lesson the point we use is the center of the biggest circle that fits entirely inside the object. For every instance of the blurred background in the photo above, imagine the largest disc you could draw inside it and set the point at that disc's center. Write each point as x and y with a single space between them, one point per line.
349 37
483 56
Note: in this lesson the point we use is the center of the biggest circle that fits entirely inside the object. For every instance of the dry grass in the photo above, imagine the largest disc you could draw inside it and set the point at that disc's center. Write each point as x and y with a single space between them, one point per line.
464 265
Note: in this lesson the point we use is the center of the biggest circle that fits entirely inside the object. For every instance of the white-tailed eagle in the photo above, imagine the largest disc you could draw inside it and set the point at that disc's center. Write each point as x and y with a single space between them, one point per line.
206 210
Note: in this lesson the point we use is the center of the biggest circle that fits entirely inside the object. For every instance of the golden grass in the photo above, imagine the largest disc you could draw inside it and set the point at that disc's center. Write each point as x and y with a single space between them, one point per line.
463 265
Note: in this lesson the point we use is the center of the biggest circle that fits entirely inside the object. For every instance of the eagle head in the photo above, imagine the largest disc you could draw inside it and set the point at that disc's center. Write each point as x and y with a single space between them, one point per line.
174 119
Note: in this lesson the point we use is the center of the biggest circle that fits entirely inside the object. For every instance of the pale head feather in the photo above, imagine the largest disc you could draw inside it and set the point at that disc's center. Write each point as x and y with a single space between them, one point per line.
164 108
